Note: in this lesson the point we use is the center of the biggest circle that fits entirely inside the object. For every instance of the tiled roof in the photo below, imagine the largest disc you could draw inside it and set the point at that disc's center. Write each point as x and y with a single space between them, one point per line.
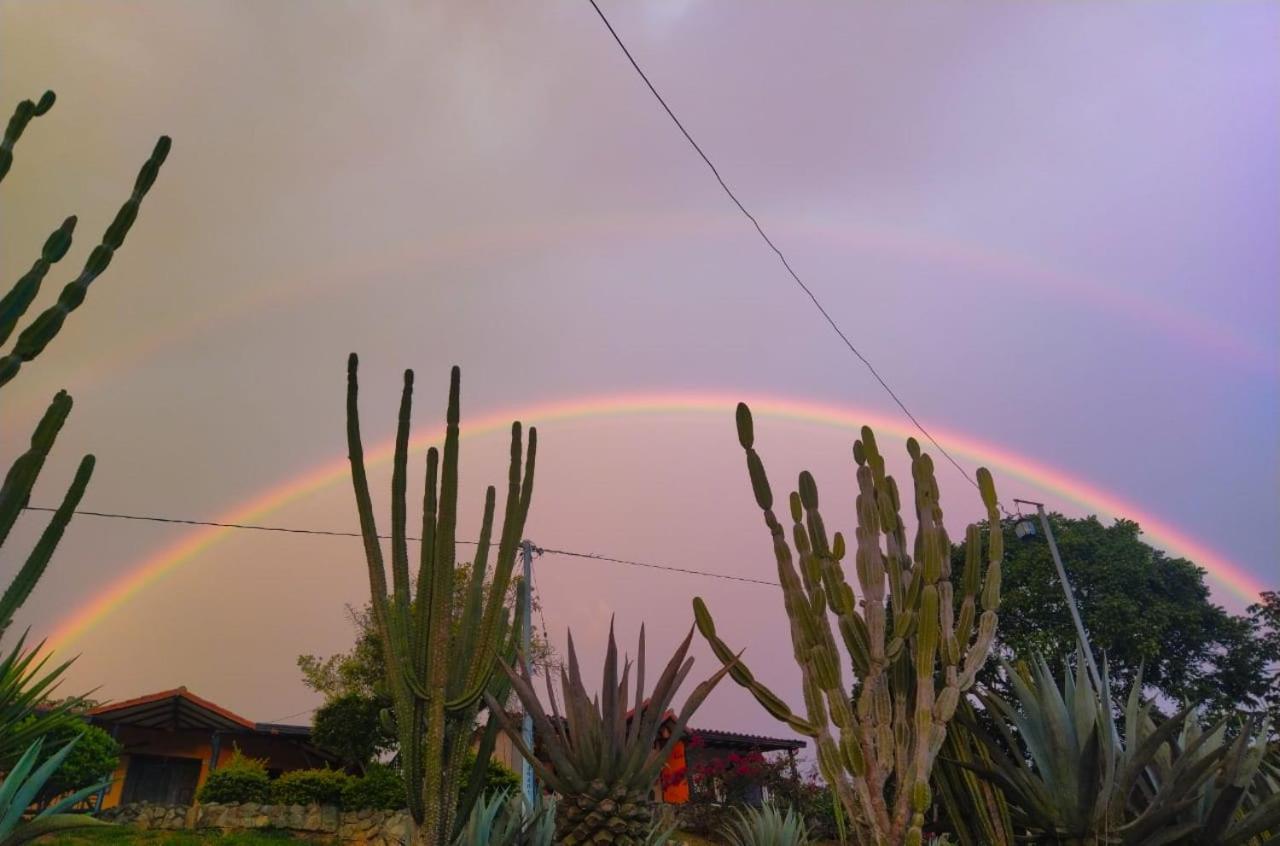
179 708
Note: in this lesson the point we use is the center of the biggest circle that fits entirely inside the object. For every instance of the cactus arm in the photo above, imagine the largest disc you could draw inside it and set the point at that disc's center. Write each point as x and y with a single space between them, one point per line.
25 580
399 507
32 341
426 559
469 624
22 115
23 472
364 503
741 674
24 291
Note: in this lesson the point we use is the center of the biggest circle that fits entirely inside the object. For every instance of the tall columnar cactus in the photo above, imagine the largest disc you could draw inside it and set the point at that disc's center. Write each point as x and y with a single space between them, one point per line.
25 679
913 648
438 669
22 474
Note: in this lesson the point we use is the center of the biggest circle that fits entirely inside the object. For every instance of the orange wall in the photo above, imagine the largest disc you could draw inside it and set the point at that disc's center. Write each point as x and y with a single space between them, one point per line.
279 753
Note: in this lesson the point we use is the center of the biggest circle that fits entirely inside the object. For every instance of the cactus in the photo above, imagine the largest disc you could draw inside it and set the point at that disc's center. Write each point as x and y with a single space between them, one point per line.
604 760
26 681
22 474
437 671
904 636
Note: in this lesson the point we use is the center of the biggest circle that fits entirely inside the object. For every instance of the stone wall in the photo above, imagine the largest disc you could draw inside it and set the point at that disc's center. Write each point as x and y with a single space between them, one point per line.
323 823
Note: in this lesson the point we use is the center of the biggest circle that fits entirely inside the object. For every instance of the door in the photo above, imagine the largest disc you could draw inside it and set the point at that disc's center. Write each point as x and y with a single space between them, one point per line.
161 780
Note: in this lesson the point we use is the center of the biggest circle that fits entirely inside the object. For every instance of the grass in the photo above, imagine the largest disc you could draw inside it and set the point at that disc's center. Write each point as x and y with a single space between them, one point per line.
120 835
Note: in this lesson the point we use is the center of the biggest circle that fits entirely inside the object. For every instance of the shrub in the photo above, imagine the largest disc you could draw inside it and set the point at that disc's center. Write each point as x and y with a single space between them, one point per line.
496 778
350 726
379 789
93 759
240 779
309 787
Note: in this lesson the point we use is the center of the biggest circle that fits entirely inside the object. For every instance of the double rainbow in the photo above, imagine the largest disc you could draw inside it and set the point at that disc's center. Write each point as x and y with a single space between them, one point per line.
1223 573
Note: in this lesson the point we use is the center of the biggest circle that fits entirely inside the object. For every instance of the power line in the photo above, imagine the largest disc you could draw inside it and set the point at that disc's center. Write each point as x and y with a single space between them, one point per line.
257 527
777 251
594 556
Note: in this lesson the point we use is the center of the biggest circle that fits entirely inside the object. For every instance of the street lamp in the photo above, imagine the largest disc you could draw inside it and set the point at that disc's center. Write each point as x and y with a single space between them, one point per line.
1025 529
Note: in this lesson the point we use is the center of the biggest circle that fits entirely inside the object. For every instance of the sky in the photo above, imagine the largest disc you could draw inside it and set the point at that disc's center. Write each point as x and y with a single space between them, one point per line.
1051 227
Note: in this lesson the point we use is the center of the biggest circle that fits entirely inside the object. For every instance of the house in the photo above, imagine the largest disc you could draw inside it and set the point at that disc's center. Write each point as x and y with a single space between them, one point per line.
172 740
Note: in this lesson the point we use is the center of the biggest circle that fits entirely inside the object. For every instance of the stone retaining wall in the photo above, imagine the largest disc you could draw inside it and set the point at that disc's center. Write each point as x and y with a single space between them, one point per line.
324 823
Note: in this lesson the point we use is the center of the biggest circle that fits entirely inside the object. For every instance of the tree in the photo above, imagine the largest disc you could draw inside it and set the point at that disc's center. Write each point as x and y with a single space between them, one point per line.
360 670
1140 607
1264 618
350 726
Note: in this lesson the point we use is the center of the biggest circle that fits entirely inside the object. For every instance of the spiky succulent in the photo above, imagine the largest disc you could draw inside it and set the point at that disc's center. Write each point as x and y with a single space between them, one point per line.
438 668
602 758
1071 775
766 826
904 634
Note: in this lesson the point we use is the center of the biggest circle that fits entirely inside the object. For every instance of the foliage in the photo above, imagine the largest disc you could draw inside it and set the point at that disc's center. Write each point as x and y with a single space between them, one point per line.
128 836
350 726
23 783
309 787
503 818
361 669
972 809
722 786
497 777
240 779
379 789
604 761
1141 608
439 664
880 755
1072 775
766 826
92 759
24 685
1264 621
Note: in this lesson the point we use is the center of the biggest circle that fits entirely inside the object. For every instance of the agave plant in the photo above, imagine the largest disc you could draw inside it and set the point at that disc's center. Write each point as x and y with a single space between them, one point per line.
766 826
1074 777
1238 803
21 786
504 818
604 761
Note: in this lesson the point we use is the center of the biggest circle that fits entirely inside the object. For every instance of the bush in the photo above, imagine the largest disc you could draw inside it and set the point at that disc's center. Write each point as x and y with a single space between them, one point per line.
93 759
380 789
241 779
496 778
309 787
350 726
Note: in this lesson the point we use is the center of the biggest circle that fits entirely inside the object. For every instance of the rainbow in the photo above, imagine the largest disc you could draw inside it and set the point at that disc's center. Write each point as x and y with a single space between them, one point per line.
997 268
152 571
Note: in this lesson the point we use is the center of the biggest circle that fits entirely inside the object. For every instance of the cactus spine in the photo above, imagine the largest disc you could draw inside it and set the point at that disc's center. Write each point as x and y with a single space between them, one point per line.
904 635
437 672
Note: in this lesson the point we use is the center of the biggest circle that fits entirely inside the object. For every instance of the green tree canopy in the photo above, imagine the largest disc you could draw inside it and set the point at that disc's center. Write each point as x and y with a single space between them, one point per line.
1140 607
348 724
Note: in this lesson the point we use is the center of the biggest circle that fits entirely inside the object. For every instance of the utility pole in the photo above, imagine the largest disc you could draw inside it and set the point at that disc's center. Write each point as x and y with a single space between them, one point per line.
526 638
1066 589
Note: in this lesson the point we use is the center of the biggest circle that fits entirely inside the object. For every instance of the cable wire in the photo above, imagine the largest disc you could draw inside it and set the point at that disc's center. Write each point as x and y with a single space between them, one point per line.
777 251
257 527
